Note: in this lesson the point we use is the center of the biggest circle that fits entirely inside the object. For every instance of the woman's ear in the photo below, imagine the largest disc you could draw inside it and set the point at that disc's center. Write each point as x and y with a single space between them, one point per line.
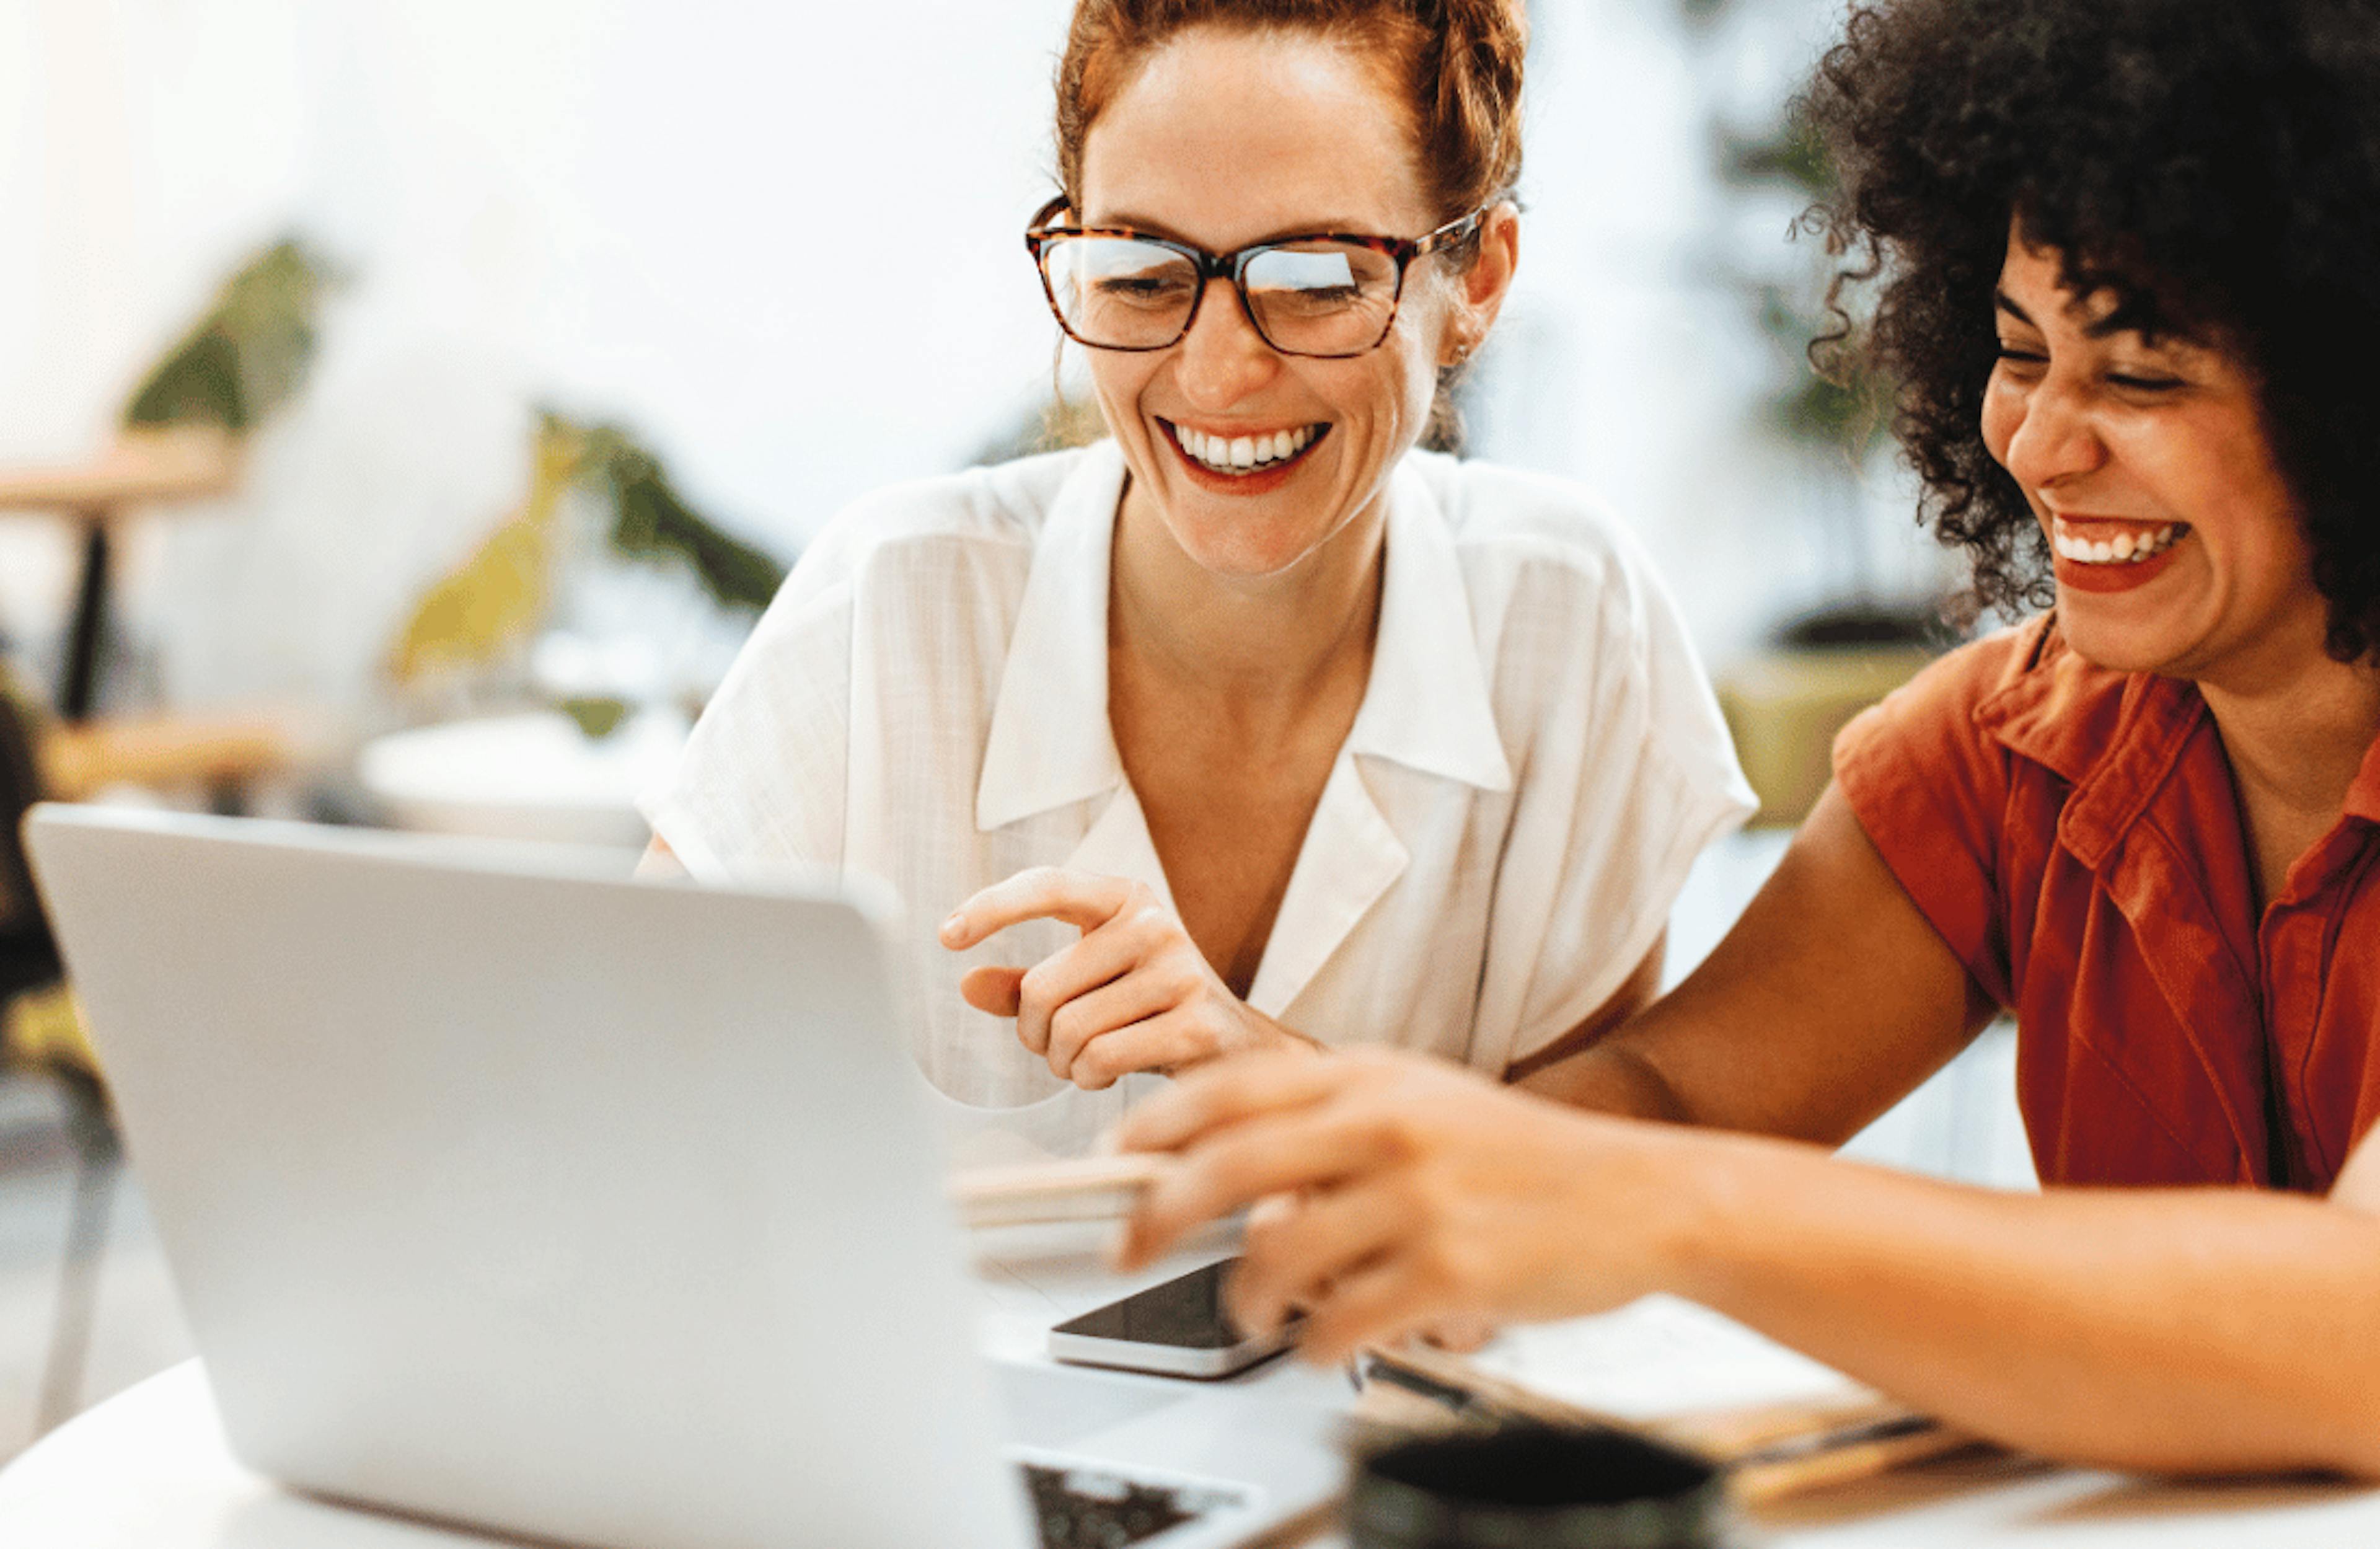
1480 289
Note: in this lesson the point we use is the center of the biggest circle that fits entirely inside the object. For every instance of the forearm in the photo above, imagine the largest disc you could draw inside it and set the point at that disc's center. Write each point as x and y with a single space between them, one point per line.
2201 1330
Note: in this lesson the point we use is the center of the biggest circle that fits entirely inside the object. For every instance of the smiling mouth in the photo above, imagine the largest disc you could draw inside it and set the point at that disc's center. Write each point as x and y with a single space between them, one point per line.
1243 456
2128 546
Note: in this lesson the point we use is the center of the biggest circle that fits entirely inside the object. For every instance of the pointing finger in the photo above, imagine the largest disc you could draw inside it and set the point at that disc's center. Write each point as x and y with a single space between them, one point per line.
1079 898
1231 1091
1276 1155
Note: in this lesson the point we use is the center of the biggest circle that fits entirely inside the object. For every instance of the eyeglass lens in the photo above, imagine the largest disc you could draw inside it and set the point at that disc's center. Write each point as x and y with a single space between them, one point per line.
1305 298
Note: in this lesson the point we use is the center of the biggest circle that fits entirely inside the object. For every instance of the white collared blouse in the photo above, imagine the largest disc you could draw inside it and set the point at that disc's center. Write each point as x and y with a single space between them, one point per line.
1536 762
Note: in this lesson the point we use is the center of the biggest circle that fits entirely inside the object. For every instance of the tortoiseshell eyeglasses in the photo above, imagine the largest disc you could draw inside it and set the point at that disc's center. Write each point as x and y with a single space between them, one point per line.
1330 295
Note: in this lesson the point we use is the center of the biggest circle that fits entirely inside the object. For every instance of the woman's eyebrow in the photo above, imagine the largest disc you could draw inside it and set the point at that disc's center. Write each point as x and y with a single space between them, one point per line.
1159 228
2123 319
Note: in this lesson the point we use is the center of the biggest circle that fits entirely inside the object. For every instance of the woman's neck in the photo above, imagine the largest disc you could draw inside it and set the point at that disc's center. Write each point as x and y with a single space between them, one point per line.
2296 738
1247 642
2297 731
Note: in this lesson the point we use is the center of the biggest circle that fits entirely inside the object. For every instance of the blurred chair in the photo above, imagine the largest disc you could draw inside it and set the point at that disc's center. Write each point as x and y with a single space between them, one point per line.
42 1029
41 1033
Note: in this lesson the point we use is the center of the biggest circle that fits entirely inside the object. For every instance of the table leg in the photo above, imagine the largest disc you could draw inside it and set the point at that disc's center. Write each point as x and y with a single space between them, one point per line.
79 683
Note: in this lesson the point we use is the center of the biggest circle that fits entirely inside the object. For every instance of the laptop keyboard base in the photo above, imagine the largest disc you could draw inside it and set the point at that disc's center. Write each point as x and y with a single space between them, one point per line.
1082 1508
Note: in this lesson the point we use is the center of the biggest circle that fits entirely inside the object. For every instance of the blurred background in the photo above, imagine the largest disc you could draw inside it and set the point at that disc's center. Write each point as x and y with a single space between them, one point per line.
406 404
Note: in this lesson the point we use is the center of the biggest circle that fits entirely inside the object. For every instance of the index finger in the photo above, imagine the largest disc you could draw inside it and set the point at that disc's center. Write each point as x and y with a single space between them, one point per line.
1228 1091
1079 898
1280 1153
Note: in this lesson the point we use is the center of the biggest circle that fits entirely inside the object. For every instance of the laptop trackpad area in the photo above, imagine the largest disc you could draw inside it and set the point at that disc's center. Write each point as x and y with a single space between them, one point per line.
1048 1406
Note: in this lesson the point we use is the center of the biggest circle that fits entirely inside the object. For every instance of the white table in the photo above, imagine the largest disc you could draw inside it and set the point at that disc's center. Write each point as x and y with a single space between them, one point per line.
150 1469
527 776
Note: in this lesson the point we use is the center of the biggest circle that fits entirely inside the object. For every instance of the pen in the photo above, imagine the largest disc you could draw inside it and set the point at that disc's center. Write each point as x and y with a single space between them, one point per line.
1768 1452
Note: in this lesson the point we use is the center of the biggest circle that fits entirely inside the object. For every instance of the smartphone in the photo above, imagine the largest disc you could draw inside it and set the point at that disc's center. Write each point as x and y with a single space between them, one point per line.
1178 1329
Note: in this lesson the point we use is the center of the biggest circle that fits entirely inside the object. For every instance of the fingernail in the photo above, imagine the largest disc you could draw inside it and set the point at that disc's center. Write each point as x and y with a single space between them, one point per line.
951 926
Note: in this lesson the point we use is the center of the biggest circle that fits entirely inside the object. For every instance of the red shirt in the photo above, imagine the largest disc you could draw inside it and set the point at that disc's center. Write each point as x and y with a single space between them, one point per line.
2074 835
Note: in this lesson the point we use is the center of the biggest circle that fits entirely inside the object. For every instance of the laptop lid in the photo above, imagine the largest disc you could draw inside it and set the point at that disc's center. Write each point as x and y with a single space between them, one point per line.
501 1189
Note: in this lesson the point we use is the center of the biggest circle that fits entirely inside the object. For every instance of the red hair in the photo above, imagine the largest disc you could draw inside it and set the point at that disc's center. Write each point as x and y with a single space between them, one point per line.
1458 62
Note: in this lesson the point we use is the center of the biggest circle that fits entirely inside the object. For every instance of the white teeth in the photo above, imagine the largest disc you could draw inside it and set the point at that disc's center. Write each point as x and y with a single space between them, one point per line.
1240 454
2124 548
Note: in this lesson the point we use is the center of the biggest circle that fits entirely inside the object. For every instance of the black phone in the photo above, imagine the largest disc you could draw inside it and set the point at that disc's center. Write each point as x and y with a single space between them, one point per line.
1178 1329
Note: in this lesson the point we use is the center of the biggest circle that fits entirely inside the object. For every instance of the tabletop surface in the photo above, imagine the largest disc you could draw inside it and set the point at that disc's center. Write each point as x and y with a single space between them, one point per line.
150 1468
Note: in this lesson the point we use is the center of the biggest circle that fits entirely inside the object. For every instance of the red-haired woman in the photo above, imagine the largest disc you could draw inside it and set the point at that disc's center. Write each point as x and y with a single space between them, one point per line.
1250 728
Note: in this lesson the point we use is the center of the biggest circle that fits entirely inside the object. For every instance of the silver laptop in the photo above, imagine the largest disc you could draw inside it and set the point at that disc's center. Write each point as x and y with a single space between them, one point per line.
504 1191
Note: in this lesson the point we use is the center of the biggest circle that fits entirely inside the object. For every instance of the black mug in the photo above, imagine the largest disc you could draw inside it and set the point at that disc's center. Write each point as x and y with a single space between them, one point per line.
1535 1487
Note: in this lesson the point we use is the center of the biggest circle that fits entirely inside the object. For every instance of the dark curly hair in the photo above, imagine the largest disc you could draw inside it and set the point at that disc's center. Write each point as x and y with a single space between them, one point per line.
2212 165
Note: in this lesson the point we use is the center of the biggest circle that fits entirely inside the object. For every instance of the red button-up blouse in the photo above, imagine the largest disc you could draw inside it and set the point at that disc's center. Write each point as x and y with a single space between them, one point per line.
2073 834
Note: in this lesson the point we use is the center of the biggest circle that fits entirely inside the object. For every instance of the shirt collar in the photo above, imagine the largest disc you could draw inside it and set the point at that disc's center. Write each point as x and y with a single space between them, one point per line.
1049 744
2363 796
2113 737
1427 705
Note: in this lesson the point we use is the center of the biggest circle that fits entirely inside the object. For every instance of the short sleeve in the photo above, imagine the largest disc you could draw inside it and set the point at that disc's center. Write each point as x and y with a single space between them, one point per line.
1628 776
1930 788
762 781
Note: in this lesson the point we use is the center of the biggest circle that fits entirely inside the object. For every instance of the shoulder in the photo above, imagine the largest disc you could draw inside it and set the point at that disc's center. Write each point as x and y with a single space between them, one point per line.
1934 716
1537 551
1955 685
956 548
2022 686
1518 516
1945 746
1551 573
1001 508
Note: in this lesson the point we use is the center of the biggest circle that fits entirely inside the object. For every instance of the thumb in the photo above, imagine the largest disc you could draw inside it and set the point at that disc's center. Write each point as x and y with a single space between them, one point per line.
996 990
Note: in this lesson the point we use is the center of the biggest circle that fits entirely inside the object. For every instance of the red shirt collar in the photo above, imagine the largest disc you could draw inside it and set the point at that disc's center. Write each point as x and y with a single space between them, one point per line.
2114 737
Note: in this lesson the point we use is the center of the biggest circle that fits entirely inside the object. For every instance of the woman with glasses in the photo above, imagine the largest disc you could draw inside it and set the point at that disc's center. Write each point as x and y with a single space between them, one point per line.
1250 726
2131 272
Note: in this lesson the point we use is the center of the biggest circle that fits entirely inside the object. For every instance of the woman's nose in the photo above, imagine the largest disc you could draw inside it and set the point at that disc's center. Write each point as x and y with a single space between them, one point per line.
2057 439
1223 358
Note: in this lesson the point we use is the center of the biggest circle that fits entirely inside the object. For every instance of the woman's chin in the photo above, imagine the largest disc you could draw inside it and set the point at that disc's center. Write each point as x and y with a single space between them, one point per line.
1236 559
2118 645
1239 543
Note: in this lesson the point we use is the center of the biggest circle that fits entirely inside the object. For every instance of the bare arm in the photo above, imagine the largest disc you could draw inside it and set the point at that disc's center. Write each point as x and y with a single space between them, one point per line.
1831 999
2183 1330
2179 1330
2200 1329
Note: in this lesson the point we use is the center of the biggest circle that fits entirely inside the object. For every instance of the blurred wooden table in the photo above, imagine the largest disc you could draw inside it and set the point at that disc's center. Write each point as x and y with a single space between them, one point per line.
142 469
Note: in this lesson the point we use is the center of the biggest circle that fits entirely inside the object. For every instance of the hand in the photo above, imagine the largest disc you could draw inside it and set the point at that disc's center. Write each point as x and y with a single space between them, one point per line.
1424 1196
1134 993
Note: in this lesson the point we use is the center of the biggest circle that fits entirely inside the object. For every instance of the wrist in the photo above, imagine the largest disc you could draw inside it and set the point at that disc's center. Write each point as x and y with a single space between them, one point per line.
1726 1199
1272 1037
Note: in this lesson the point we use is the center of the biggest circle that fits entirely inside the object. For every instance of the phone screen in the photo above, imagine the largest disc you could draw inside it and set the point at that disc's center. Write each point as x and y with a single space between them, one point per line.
1187 1313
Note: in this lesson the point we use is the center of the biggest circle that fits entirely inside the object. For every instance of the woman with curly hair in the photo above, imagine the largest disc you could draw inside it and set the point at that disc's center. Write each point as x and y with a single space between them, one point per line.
2128 259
